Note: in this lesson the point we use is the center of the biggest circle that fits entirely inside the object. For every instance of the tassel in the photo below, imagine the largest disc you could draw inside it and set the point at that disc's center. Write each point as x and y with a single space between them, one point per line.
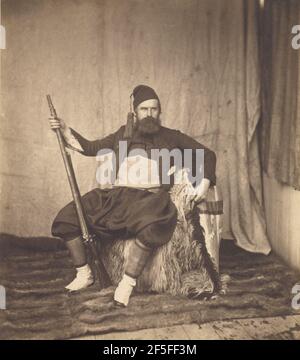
130 125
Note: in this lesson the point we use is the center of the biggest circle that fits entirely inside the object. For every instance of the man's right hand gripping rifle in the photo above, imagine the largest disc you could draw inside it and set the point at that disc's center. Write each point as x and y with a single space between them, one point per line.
76 248
56 123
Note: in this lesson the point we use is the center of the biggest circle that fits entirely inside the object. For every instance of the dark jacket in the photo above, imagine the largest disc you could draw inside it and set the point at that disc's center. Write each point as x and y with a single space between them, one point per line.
166 138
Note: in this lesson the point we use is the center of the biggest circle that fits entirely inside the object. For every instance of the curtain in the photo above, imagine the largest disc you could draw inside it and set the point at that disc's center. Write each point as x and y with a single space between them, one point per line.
280 140
201 56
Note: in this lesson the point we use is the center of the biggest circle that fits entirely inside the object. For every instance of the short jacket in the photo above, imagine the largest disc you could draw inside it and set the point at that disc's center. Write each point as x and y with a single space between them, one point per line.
166 138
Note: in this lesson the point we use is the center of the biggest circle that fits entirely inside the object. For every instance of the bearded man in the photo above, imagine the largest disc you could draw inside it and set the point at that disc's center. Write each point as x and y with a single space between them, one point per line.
135 206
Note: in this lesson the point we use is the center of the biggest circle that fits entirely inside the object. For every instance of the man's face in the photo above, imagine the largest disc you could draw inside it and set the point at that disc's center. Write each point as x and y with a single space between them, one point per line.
148 108
147 114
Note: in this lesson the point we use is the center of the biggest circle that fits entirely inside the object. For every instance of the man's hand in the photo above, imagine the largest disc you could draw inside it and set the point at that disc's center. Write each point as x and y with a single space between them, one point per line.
56 123
201 191
71 141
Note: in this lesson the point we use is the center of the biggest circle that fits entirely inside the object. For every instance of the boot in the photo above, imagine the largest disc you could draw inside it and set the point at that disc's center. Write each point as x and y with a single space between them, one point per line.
137 259
84 276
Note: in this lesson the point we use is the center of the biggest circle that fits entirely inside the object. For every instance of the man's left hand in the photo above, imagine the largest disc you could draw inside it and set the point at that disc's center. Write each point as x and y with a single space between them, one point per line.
201 191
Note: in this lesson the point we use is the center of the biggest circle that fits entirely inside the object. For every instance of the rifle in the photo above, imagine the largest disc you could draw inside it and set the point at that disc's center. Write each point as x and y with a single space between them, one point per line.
88 237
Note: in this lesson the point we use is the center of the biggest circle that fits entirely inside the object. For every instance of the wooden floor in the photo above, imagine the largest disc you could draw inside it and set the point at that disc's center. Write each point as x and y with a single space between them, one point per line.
281 328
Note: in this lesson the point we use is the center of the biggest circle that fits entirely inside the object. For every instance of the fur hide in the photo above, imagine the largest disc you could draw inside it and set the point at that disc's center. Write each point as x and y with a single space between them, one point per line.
183 266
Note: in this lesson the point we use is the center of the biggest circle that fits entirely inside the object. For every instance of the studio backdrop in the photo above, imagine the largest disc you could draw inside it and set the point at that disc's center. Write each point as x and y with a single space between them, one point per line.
201 56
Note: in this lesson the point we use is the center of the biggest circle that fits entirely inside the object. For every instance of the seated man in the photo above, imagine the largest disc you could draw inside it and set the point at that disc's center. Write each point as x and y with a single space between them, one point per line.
137 205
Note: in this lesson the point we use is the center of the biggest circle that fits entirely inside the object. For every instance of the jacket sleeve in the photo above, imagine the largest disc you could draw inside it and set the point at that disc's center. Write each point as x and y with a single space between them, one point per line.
89 148
186 142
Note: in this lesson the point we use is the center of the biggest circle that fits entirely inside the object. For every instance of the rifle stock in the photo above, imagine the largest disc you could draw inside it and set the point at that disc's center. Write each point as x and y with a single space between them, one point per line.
88 237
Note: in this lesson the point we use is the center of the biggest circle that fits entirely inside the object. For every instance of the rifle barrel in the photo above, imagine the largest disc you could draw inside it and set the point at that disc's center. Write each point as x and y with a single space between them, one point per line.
88 238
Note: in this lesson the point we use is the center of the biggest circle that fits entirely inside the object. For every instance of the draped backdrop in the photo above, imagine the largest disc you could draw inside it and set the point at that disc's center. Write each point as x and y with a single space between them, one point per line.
201 56
280 140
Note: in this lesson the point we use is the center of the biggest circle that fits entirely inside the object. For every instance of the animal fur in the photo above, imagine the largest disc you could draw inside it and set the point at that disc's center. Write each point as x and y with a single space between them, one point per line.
183 266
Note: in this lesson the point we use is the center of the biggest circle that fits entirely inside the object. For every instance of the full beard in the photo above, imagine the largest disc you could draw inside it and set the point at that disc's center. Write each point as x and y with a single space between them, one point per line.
149 125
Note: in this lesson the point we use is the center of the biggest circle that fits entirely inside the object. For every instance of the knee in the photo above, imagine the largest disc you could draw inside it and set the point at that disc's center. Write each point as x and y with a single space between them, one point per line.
152 237
65 224
65 231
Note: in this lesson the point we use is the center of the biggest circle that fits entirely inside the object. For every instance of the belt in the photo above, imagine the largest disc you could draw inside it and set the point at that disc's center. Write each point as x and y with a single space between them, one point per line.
154 190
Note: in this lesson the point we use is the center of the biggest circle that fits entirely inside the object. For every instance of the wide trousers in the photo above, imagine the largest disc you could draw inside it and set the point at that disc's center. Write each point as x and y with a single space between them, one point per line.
121 213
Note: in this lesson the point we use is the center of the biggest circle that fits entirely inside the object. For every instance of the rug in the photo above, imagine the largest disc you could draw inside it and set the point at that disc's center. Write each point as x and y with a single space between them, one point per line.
39 308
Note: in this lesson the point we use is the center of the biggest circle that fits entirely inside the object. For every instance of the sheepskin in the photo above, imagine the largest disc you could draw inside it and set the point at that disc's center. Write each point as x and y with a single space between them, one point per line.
183 266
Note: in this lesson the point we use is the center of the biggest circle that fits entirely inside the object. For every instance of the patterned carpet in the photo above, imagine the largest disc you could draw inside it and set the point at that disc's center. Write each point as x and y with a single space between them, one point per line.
39 308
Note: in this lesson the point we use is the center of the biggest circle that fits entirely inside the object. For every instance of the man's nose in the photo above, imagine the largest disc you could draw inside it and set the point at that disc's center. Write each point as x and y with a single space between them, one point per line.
149 112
